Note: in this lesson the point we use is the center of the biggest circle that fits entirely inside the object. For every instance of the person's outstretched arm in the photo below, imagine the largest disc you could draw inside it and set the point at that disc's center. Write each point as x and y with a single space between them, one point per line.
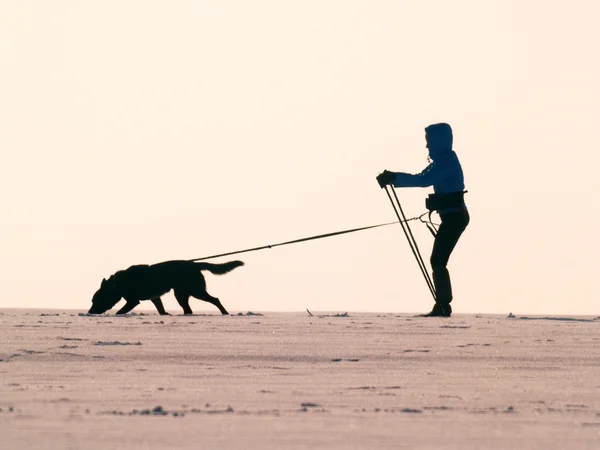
426 178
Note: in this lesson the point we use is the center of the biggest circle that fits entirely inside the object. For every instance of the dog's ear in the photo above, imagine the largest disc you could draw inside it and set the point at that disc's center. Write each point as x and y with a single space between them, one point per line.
103 284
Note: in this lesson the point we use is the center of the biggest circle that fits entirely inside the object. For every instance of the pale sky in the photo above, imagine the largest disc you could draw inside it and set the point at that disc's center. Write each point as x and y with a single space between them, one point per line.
141 131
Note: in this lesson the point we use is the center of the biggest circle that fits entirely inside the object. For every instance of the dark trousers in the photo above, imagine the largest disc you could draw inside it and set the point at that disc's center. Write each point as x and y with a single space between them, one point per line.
452 226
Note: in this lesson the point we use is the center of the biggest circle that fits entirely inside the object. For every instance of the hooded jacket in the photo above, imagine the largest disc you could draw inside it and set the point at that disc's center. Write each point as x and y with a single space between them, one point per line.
445 173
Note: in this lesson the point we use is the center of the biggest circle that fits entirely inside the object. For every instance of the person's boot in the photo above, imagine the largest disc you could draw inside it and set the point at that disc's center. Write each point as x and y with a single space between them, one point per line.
447 310
439 310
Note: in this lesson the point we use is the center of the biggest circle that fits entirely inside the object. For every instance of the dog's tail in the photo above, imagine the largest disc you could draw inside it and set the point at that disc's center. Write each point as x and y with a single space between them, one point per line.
219 269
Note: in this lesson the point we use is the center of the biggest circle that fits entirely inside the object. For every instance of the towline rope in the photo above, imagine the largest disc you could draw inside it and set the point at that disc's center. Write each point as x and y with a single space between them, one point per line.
320 236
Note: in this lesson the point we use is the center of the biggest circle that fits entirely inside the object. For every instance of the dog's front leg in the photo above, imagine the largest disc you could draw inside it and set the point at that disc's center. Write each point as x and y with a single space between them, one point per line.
159 306
128 307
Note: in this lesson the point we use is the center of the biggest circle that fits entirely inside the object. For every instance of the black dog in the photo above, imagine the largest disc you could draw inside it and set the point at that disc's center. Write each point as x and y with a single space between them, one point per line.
146 282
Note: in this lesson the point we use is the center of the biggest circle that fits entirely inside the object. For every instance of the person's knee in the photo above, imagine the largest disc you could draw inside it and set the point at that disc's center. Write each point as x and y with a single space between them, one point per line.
438 263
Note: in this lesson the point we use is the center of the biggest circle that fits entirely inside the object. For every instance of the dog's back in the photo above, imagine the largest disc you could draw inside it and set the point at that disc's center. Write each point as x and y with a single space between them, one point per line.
142 282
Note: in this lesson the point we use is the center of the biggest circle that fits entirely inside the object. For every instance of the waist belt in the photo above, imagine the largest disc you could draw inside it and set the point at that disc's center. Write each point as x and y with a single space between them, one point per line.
435 202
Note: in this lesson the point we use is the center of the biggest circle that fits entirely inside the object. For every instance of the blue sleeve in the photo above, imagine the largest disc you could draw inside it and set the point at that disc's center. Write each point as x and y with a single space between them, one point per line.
427 177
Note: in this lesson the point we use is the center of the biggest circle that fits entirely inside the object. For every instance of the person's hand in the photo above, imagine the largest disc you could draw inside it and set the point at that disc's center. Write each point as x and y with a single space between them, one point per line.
386 177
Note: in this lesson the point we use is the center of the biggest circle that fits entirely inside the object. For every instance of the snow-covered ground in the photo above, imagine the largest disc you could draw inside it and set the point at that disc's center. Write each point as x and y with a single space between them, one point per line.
289 380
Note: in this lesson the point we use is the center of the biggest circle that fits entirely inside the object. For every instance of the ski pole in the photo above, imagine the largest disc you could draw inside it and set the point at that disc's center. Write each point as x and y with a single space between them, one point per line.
410 238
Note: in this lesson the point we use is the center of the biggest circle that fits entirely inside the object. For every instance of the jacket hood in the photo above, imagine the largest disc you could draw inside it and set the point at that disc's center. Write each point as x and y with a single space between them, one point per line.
439 139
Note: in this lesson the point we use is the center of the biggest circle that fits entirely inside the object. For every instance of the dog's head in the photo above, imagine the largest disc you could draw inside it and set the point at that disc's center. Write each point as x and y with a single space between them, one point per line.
105 298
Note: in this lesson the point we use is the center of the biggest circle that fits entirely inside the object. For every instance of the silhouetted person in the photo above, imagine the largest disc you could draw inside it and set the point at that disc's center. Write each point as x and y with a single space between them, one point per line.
445 174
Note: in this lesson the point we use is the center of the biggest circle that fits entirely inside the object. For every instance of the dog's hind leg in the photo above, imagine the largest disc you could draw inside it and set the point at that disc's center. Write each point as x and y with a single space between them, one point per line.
203 295
183 299
159 306
128 307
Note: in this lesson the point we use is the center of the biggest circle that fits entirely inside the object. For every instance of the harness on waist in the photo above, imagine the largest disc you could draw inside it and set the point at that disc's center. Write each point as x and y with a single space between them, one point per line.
434 202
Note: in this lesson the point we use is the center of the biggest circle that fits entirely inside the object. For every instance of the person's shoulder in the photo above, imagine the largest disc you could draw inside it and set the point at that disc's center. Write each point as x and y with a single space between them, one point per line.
452 155
448 155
